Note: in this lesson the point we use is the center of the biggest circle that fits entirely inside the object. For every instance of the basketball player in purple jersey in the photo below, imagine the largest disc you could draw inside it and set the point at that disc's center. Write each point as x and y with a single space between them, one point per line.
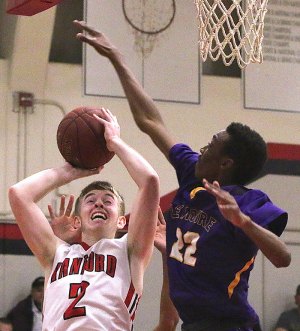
94 285
216 225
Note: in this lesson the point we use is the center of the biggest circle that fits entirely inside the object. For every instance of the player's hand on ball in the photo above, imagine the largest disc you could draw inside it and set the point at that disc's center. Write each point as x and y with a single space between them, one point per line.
71 173
111 125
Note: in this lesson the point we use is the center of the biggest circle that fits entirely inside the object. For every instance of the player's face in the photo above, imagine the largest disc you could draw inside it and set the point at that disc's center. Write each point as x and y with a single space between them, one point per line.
209 164
100 211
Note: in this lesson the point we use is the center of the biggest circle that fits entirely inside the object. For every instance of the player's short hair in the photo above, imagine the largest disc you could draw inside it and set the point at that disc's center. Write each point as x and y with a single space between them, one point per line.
100 186
248 151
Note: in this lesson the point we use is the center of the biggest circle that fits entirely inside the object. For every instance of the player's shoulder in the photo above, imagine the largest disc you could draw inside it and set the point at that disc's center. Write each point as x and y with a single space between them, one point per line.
63 248
122 238
181 149
243 191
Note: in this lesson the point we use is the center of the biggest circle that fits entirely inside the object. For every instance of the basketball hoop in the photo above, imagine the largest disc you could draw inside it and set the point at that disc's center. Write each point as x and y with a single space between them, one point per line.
232 30
148 19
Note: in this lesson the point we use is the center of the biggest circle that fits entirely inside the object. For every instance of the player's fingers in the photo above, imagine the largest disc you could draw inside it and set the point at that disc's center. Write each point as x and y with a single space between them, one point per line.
161 218
208 186
110 113
85 27
89 40
110 116
223 197
51 212
214 188
99 119
91 172
62 205
70 205
107 113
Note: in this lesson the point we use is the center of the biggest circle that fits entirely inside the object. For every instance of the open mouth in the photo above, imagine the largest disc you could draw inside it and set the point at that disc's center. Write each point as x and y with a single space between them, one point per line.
98 216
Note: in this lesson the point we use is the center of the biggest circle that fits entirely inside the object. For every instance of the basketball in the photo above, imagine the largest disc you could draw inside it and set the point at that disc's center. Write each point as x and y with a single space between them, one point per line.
80 139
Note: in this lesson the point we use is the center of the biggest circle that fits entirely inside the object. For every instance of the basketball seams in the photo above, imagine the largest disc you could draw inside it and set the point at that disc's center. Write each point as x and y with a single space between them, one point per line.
62 131
86 120
97 147
80 139
89 116
64 127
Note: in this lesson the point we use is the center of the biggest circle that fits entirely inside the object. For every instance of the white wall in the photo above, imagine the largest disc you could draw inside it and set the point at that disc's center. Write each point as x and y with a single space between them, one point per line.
221 103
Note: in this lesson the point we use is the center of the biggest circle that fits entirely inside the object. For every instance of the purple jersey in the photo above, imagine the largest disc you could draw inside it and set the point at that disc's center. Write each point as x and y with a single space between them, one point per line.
209 259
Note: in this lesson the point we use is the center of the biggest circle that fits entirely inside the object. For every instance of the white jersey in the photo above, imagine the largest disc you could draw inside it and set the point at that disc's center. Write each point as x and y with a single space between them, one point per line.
90 288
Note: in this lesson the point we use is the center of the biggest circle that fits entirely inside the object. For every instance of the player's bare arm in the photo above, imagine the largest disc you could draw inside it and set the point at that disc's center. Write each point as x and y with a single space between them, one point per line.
143 216
270 245
143 108
31 220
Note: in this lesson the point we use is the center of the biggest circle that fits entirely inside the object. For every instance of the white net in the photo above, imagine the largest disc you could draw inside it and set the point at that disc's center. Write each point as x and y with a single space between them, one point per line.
148 20
232 30
144 43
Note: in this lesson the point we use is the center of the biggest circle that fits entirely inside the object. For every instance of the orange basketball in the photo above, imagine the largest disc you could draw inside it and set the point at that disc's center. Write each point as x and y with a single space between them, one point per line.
80 139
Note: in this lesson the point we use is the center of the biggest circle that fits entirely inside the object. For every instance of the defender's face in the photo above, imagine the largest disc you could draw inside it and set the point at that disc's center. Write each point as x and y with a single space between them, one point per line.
99 211
209 163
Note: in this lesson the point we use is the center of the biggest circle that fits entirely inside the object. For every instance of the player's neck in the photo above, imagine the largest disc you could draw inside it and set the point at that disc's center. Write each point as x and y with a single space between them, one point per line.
91 238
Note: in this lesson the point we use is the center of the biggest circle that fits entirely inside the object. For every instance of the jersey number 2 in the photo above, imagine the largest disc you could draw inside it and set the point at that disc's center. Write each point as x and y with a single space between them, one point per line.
76 292
190 240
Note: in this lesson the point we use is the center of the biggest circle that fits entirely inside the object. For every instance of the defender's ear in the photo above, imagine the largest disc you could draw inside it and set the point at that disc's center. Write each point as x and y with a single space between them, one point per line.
227 163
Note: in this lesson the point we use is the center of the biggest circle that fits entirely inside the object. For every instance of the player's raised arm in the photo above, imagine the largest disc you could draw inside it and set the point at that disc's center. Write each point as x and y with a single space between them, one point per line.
143 216
143 108
23 198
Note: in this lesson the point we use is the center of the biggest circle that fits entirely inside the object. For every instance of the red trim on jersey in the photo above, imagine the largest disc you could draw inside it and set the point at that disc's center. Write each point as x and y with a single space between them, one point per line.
84 245
129 295
131 301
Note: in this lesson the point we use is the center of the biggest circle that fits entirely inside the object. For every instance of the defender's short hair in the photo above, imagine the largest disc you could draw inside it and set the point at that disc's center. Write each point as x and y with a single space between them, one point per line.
248 151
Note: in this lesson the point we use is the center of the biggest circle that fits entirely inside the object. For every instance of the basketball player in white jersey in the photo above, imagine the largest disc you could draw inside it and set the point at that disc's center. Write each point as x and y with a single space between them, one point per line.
94 285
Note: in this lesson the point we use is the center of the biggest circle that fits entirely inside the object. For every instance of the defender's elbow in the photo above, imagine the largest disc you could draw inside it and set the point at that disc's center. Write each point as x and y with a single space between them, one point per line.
284 261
